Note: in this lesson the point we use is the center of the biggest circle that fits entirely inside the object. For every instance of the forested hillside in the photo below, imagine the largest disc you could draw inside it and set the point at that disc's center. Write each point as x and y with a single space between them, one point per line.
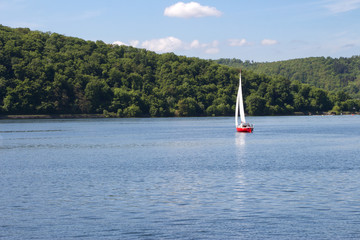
48 73
331 74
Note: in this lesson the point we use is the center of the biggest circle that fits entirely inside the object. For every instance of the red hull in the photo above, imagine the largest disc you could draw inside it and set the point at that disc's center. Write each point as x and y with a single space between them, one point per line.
245 129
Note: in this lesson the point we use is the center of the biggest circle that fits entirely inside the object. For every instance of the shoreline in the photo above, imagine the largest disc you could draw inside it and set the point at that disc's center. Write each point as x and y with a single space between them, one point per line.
51 116
79 116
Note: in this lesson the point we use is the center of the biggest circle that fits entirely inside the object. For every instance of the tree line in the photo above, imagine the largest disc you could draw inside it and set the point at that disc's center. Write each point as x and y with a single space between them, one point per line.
49 73
331 74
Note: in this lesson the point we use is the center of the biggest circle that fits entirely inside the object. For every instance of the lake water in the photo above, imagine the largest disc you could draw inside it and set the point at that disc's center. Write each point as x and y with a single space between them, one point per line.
180 178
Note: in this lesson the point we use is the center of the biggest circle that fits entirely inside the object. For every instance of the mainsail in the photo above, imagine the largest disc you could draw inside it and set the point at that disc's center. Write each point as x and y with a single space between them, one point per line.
239 105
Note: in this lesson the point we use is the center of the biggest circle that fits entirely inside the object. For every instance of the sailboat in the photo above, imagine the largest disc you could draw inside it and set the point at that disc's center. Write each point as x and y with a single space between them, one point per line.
243 126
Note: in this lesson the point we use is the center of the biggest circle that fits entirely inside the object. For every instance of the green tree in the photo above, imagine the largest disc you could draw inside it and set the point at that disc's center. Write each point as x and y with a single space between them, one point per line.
256 105
52 73
319 100
132 111
188 107
99 94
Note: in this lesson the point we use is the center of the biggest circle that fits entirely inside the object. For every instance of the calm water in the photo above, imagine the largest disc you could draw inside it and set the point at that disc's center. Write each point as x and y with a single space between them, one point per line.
180 178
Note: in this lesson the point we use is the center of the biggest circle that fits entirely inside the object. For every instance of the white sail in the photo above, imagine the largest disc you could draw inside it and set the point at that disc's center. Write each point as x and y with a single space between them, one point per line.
242 112
239 105
237 109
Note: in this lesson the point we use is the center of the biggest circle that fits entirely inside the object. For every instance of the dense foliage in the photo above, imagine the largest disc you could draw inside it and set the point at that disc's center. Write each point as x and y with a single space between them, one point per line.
331 74
48 73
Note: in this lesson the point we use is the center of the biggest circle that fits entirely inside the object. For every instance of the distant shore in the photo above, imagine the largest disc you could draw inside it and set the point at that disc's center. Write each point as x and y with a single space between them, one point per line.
73 116
51 116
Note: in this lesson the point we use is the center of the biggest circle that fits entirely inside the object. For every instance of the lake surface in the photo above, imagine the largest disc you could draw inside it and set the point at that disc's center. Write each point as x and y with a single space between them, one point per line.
180 178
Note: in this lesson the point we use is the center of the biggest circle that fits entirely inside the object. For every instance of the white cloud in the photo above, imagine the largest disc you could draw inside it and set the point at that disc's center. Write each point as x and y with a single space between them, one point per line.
340 6
268 42
168 44
215 43
119 43
134 43
171 44
212 50
238 42
190 10
209 48
195 44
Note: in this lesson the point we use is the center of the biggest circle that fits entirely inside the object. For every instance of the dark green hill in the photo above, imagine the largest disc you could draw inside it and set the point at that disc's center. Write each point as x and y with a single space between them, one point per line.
48 73
331 74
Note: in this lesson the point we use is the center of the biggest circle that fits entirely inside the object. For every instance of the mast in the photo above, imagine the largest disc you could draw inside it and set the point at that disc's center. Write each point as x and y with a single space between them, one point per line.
241 103
237 109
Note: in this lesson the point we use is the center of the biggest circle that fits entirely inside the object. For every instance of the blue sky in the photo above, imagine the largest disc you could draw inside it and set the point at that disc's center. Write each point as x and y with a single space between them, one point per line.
258 30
